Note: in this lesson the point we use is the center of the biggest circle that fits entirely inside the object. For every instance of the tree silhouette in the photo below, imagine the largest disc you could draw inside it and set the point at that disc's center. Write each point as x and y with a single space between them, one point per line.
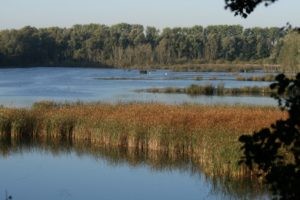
274 152
245 7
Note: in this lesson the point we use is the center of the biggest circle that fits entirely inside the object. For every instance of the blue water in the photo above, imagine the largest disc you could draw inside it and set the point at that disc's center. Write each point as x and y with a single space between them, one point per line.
22 87
36 173
50 175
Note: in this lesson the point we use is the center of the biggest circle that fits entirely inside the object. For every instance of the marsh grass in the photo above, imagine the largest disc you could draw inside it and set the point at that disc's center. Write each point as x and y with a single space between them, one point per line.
268 78
211 90
207 134
225 67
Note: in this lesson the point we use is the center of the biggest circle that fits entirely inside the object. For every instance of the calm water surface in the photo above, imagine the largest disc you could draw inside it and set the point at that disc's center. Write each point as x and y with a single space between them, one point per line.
24 86
60 172
35 171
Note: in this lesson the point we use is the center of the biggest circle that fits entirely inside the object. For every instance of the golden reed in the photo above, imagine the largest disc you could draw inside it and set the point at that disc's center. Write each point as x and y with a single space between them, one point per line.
208 134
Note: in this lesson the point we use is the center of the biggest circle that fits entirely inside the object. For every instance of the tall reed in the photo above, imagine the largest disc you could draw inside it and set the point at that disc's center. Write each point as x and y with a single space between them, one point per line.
268 78
210 90
207 134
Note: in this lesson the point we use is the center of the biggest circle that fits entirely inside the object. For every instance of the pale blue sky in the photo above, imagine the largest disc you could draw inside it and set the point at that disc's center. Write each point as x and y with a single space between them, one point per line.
158 13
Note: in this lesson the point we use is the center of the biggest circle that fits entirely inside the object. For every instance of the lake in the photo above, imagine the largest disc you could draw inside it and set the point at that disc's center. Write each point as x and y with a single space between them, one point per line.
63 171
21 87
78 171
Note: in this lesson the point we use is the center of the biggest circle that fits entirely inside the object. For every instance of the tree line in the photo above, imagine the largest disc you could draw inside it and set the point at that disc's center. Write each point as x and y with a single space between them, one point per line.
126 45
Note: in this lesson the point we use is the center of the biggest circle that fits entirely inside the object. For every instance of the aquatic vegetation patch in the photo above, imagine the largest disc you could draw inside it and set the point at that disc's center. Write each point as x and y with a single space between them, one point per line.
268 78
210 89
207 134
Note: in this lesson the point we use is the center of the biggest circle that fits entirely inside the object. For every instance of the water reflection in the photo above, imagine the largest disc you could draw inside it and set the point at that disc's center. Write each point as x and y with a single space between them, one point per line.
176 171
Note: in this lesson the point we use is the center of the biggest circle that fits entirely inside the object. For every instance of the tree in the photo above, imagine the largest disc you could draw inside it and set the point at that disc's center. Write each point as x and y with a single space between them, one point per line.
274 152
152 36
245 7
289 55
118 45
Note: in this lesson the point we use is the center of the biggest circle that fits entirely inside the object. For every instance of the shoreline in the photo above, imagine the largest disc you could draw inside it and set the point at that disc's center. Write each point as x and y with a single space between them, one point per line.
192 67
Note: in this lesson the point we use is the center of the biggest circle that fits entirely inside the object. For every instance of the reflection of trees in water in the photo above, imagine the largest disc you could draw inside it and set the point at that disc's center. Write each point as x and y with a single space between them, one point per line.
155 160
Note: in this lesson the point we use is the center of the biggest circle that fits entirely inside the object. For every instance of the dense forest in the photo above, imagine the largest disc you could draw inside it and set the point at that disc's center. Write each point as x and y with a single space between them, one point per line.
126 45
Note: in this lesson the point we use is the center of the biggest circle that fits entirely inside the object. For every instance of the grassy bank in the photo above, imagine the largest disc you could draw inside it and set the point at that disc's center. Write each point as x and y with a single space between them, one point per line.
210 89
207 134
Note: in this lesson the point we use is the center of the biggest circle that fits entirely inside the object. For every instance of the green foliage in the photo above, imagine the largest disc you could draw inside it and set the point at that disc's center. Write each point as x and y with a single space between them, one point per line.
275 151
289 55
129 45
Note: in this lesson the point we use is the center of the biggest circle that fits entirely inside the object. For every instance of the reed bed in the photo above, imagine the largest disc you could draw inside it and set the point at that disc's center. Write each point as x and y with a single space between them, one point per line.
268 78
210 89
221 67
207 134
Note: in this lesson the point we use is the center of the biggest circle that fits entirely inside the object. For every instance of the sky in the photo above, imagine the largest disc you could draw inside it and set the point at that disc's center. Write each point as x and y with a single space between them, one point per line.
158 13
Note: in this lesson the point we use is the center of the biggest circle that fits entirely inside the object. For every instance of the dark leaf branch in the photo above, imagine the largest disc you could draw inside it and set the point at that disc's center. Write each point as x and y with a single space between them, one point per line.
274 152
245 7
